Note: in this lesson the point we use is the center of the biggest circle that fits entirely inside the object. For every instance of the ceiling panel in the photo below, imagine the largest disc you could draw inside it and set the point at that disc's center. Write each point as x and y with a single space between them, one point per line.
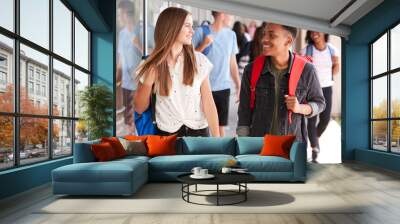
307 14
321 9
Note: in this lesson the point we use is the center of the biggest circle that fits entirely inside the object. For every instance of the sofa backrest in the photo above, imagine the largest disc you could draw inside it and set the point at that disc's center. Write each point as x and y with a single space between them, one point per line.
83 152
249 145
190 146
207 145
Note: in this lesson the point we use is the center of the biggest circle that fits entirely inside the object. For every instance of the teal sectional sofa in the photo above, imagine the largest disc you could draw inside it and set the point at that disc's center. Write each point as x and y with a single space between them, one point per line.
125 176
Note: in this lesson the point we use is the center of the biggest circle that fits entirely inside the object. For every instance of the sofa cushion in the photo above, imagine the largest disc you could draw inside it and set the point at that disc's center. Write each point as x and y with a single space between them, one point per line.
185 163
277 145
135 137
207 145
134 147
257 163
249 145
116 145
112 171
103 152
161 145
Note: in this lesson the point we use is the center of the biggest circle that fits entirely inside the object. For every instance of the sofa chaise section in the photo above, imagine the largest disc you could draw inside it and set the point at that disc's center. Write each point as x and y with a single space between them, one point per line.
87 177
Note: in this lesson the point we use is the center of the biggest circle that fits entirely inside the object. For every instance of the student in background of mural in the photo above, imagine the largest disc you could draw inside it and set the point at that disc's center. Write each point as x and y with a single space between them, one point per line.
222 45
129 56
179 77
256 45
326 62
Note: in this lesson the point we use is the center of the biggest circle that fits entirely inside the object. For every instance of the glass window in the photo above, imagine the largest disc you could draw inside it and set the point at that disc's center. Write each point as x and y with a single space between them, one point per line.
395 138
30 72
62 141
37 89
3 61
81 131
395 47
62 29
6 142
7 74
379 56
81 81
34 79
35 21
62 72
81 45
7 14
30 87
395 95
43 90
33 140
379 98
40 62
3 78
382 119
379 135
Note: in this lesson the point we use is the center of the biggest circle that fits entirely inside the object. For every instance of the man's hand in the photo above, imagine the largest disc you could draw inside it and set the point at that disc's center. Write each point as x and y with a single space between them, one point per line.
292 104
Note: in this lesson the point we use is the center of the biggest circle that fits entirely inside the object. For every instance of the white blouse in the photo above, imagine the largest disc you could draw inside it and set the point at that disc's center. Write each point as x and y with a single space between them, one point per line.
183 104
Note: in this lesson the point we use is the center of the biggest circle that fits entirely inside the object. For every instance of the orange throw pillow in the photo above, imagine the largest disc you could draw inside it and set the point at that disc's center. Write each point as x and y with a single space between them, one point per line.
277 145
103 152
116 145
136 138
161 145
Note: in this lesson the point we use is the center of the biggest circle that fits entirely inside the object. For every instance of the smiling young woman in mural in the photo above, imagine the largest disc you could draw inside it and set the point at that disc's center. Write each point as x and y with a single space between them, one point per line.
179 77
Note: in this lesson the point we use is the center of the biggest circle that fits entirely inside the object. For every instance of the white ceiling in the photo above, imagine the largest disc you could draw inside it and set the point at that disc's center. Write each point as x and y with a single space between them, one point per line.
319 15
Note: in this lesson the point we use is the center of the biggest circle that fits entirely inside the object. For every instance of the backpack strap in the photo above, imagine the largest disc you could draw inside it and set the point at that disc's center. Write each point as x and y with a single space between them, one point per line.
206 32
255 74
294 77
309 50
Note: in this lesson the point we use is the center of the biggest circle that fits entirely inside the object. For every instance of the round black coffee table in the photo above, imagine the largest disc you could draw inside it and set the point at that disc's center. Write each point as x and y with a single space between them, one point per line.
238 179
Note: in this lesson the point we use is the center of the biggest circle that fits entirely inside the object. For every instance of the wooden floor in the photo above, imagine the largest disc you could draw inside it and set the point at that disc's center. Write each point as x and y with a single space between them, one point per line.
377 188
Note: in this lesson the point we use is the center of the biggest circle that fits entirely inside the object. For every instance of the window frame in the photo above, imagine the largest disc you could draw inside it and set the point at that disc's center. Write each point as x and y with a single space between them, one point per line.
15 71
388 74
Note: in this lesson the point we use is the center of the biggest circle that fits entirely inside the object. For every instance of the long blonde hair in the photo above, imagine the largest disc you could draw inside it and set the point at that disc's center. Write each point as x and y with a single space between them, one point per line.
168 27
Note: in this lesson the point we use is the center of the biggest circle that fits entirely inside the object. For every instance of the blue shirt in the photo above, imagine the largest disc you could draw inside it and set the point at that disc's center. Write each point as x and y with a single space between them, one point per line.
129 56
223 47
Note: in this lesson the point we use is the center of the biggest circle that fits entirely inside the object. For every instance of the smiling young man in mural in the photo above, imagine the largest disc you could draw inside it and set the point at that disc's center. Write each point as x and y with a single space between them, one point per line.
272 103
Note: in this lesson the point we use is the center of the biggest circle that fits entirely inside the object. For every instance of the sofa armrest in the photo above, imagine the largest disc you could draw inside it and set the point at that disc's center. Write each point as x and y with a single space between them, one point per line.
298 155
83 152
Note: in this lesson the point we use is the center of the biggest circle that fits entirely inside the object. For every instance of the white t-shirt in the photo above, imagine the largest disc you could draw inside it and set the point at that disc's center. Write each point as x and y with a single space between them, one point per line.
322 60
183 105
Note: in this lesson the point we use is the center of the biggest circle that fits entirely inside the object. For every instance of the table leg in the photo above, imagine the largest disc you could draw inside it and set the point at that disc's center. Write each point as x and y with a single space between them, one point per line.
196 188
217 194
245 193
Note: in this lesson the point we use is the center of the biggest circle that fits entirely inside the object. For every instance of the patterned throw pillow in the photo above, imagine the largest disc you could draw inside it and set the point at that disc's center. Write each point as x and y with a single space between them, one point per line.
134 147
